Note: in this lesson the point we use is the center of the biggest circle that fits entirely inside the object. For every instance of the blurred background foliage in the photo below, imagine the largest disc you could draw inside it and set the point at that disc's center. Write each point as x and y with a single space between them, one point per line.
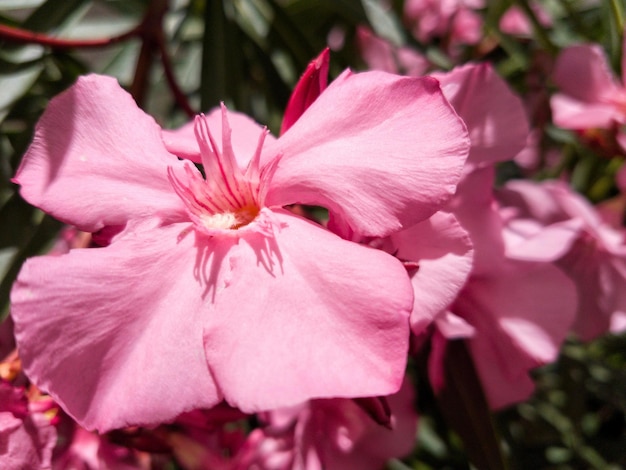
180 57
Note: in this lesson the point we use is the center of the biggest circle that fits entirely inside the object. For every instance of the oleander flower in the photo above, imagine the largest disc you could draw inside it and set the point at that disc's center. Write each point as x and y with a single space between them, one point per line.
380 54
520 310
591 96
548 221
208 288
332 434
515 21
457 20
26 435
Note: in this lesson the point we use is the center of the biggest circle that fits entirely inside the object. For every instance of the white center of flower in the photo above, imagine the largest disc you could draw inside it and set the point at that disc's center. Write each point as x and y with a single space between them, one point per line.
230 220
230 197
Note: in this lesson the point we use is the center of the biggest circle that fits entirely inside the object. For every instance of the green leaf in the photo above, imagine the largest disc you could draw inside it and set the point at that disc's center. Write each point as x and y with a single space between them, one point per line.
384 22
302 47
16 85
218 55
53 14
45 231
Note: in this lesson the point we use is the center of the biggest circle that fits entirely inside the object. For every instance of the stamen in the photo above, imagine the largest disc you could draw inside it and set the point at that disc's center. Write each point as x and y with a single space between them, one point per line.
229 198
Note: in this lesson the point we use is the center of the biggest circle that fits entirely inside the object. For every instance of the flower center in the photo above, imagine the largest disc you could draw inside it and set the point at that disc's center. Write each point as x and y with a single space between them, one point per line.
229 198
230 220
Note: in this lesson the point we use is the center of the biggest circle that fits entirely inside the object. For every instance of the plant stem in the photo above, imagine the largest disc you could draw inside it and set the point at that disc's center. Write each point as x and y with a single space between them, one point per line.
22 36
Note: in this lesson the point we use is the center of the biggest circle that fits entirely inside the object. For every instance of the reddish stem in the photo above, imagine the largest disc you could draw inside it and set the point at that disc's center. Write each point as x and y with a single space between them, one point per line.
179 96
150 28
153 41
23 36
150 31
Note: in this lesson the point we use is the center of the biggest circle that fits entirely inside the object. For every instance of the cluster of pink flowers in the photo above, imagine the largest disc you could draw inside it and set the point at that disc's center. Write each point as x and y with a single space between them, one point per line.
207 292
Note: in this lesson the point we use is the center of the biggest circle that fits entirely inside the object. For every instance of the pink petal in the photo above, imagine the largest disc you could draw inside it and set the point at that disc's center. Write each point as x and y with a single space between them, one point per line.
115 334
521 314
571 113
381 152
26 439
618 323
556 224
583 72
307 315
411 62
380 54
343 437
97 160
182 142
444 253
515 21
475 209
375 51
494 116
452 326
332 434
311 84
527 240
466 27
600 278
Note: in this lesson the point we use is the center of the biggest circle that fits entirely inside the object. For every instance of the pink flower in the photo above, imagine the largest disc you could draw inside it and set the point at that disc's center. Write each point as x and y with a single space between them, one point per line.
379 54
549 222
515 21
519 311
26 435
438 255
439 247
494 115
591 96
331 434
85 450
210 290
455 19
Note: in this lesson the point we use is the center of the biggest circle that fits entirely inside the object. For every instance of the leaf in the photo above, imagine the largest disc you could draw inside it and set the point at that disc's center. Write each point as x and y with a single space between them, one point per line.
53 14
16 85
293 38
45 231
217 56
385 22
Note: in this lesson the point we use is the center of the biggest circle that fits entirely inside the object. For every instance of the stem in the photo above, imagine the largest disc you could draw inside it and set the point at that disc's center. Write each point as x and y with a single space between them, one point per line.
150 27
179 96
23 36
150 31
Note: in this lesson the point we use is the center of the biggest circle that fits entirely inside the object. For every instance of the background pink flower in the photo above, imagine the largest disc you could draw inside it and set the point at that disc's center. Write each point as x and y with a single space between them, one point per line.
332 434
590 96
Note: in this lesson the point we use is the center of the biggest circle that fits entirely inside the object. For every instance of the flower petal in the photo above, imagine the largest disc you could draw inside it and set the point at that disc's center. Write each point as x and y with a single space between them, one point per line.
381 152
474 208
312 82
115 334
570 113
583 72
329 318
521 315
97 160
494 116
444 253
